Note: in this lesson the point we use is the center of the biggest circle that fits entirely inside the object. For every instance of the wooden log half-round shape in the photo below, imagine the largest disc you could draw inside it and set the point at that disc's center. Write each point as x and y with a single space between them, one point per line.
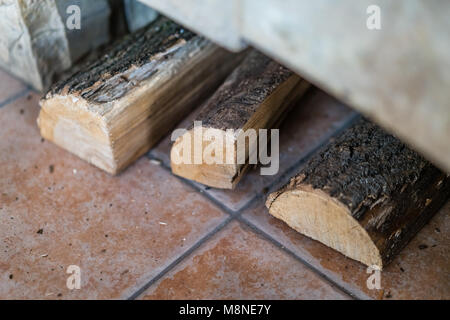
321 217
365 195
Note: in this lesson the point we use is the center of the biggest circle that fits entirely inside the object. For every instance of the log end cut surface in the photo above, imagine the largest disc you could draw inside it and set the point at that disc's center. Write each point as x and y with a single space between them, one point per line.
216 174
366 195
116 108
257 95
323 218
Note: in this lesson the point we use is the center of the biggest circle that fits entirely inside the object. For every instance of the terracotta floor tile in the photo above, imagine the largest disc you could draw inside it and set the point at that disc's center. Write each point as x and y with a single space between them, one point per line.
9 86
414 274
56 210
317 117
239 264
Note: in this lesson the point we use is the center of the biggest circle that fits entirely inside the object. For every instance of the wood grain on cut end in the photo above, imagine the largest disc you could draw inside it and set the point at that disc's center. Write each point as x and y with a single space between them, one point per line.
366 195
112 110
257 95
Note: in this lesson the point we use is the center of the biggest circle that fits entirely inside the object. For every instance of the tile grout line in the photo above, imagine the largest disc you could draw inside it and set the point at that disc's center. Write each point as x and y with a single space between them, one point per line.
217 229
181 258
237 215
15 97
280 246
202 192
289 171
234 215
231 217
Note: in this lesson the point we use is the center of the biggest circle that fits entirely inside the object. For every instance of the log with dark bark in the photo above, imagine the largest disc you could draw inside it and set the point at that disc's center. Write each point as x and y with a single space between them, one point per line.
257 95
114 109
366 195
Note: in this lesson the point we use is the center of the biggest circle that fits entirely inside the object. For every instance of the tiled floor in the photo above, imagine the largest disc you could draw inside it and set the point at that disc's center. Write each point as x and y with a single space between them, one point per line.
149 235
10 88
239 264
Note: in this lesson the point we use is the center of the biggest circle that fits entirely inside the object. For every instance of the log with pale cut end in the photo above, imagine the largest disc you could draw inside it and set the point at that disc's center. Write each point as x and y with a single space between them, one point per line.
114 109
257 95
37 46
366 195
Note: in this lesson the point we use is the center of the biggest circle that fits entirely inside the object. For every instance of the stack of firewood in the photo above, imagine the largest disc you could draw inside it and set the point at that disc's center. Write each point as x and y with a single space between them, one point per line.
366 194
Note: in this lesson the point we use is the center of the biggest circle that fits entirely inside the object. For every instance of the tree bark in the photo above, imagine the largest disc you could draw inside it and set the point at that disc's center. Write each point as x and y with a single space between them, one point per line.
257 95
114 109
366 195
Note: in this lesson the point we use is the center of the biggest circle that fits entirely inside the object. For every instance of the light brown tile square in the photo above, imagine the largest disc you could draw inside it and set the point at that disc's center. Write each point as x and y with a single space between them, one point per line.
310 124
57 210
420 271
239 264
9 86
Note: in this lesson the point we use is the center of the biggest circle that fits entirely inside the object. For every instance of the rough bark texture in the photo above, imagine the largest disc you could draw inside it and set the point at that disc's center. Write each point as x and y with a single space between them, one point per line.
98 82
241 95
397 75
257 95
386 187
113 109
